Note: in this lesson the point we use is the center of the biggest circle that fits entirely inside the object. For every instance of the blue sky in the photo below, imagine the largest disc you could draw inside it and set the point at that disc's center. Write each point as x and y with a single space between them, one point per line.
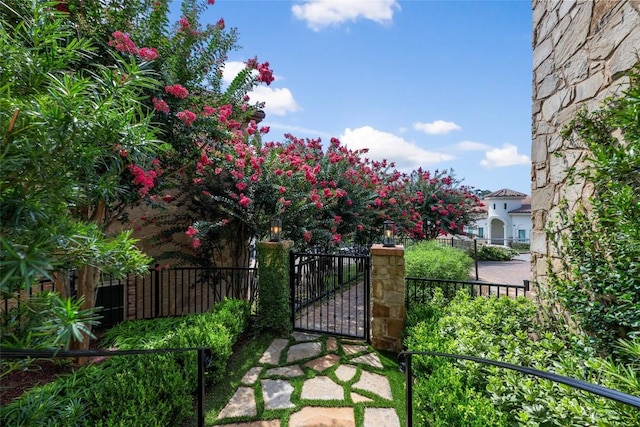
436 84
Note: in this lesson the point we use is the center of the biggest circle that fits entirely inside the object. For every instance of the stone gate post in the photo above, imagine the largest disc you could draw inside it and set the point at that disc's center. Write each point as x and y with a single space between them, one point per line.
388 297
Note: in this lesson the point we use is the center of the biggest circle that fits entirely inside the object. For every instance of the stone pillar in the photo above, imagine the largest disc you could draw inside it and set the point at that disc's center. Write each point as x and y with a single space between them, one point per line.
274 307
388 297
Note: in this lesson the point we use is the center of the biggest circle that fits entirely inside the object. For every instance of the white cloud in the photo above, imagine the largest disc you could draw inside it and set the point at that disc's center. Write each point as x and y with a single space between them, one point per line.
439 127
472 146
505 156
231 70
383 145
297 130
320 14
278 101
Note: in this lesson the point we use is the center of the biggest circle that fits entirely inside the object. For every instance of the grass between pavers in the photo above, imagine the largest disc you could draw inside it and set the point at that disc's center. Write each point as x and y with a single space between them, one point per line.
248 356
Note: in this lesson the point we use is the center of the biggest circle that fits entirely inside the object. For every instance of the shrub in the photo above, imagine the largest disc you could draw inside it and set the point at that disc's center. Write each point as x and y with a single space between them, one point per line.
521 247
429 259
59 403
500 329
494 253
120 391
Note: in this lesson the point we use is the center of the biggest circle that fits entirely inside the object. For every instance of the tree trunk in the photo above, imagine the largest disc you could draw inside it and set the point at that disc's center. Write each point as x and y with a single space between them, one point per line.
86 285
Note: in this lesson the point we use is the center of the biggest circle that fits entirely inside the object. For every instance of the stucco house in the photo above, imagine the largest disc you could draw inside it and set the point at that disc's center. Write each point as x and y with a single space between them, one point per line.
505 218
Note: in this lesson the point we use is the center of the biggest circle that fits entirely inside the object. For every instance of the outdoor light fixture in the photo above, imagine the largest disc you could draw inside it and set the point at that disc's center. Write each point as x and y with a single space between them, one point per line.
389 238
275 229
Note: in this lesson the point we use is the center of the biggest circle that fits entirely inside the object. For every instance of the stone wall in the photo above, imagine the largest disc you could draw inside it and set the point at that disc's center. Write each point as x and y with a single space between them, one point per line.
387 297
582 50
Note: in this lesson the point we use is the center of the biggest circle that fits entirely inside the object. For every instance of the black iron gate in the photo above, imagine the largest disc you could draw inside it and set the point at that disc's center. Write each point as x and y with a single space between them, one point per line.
330 293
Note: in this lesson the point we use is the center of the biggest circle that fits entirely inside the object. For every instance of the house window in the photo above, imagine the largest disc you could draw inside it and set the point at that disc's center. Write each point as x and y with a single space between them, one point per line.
522 235
494 206
505 206
480 232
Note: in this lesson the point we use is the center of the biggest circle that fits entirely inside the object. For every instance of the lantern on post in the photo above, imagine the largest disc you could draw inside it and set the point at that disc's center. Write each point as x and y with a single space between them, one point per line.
389 237
275 230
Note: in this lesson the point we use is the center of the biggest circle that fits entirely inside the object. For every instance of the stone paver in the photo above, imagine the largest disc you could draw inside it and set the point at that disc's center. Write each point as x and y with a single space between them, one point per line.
304 336
370 359
269 423
345 373
323 363
322 388
376 417
321 417
358 398
241 404
304 350
271 355
350 349
251 376
285 371
307 348
374 383
277 394
332 344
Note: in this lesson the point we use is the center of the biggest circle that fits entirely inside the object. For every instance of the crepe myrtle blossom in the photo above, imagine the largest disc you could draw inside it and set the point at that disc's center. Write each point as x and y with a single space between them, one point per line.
160 105
177 90
187 117
191 231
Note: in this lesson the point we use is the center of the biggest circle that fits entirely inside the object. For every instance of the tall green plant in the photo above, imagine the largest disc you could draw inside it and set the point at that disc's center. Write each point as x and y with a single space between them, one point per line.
600 284
64 128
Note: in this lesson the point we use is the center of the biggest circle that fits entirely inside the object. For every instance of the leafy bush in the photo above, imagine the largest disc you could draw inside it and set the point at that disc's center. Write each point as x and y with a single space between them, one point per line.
429 259
494 253
521 247
500 329
600 243
120 391
58 403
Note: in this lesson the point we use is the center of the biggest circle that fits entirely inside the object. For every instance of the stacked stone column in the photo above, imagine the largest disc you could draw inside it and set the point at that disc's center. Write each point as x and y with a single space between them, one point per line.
388 297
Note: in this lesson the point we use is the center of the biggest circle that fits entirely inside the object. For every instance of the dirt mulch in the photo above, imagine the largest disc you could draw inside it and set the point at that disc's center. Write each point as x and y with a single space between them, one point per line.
40 372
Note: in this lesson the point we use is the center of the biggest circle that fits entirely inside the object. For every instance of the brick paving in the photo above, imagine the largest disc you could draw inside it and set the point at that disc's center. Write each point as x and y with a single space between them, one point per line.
338 382
505 272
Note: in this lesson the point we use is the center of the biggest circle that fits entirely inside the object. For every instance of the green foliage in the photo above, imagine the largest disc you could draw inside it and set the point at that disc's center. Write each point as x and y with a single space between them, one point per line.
520 247
153 390
600 242
274 306
63 123
493 253
431 260
59 403
46 320
501 329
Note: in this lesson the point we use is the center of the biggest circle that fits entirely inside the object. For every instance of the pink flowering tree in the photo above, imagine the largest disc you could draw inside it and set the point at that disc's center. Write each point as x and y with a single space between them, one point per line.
225 181
441 203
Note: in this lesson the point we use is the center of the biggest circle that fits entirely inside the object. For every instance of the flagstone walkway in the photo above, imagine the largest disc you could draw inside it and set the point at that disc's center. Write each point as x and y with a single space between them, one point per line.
312 381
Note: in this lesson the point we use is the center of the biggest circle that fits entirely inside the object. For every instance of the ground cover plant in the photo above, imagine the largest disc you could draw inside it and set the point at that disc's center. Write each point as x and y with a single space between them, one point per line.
119 390
468 394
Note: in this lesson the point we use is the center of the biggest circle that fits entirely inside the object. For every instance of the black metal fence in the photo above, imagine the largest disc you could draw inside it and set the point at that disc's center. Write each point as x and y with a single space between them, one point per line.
330 293
160 293
204 358
405 357
420 290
